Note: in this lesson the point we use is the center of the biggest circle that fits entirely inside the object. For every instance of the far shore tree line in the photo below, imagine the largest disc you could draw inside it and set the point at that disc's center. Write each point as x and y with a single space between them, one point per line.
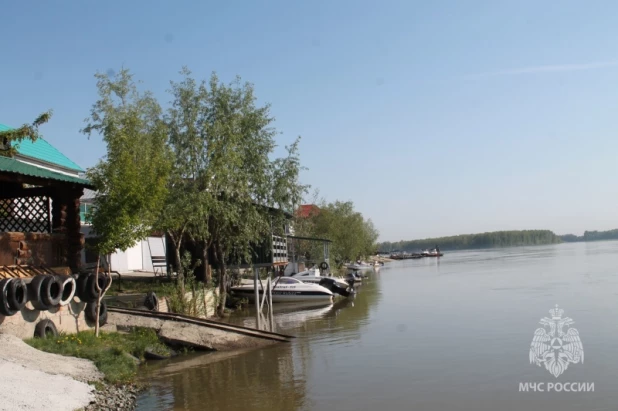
203 172
495 239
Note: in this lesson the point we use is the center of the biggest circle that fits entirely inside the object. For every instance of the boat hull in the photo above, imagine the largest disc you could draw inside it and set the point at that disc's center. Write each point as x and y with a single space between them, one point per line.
285 296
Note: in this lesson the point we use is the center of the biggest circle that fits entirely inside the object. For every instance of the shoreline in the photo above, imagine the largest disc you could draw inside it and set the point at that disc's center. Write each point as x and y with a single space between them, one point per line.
54 382
110 398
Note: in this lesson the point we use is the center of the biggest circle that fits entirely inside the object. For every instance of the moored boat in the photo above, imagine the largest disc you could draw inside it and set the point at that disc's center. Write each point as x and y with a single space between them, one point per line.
286 289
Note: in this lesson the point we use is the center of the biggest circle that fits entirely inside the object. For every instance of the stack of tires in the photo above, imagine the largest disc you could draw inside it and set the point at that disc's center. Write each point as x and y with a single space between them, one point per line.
87 292
47 292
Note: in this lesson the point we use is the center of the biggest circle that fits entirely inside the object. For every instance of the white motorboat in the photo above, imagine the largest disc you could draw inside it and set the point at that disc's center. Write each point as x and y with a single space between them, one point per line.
313 276
337 285
359 266
286 289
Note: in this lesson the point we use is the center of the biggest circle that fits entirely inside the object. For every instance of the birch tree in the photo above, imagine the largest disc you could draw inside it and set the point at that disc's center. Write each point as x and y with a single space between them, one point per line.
131 180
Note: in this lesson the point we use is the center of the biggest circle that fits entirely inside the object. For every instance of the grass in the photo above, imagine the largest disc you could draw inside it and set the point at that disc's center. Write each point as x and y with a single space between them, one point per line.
110 352
161 286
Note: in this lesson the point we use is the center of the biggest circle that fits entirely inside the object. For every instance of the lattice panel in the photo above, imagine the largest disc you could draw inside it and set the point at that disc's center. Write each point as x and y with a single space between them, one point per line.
280 250
25 214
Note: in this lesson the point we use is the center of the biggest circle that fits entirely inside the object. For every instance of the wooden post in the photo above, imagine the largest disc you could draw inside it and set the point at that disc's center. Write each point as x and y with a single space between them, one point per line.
256 273
270 303
73 229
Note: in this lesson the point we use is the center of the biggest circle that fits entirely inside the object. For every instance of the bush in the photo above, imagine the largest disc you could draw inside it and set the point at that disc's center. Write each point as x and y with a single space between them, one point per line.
108 352
186 298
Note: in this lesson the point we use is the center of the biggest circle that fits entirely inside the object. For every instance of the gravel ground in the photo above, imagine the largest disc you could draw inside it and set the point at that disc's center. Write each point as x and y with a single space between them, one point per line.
36 380
113 398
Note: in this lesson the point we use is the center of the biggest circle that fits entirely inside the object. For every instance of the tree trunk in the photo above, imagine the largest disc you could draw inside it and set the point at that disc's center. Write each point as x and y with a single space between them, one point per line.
202 271
98 310
206 263
222 281
101 292
178 266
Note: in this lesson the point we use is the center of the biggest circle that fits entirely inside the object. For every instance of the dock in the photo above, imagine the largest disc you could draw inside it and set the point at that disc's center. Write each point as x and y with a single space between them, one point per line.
198 333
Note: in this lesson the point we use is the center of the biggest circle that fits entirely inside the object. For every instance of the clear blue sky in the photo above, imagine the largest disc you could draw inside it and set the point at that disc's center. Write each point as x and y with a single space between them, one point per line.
435 117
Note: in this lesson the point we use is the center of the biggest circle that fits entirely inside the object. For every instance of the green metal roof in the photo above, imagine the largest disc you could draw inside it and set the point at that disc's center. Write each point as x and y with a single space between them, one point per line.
10 165
42 150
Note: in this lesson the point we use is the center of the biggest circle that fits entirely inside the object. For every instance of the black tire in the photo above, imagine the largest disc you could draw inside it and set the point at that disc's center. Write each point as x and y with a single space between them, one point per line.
51 292
91 312
91 293
324 265
5 308
68 289
35 290
18 294
152 302
82 281
45 328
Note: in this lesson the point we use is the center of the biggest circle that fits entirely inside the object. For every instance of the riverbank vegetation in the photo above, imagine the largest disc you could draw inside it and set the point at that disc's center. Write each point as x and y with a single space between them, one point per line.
202 171
591 236
353 237
116 355
473 241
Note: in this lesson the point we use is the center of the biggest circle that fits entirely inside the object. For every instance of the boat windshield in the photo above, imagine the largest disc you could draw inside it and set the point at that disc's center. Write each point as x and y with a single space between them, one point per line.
288 280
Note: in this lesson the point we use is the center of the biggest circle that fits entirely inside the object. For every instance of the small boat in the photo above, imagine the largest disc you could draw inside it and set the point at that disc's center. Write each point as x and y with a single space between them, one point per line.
359 266
336 284
286 289
431 253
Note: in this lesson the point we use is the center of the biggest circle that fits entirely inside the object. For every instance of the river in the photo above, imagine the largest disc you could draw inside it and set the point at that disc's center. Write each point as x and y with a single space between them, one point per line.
433 334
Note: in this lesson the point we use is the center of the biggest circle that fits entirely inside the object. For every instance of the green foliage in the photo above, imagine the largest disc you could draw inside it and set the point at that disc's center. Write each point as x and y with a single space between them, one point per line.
12 137
186 298
352 236
131 180
472 241
224 178
592 236
202 172
108 352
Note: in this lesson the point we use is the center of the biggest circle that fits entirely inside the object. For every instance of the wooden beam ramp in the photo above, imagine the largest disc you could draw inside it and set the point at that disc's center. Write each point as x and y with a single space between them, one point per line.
199 333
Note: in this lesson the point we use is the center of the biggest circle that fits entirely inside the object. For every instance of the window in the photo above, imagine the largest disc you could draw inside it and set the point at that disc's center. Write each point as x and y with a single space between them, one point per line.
83 211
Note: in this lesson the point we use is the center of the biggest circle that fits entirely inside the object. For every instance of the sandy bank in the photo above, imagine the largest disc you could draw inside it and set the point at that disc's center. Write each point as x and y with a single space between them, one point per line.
35 380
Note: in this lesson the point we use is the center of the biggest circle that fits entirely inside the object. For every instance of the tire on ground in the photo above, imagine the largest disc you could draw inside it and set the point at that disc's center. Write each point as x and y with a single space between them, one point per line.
17 294
45 328
35 291
151 302
68 289
91 312
5 308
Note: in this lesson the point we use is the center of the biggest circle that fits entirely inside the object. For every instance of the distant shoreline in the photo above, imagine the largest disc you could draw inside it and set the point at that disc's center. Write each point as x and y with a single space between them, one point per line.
496 239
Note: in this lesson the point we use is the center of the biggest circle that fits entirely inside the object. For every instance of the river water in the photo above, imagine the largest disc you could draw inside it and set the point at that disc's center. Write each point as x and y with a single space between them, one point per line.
433 334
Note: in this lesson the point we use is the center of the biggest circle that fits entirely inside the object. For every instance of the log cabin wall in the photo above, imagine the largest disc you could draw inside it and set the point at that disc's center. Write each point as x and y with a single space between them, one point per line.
62 246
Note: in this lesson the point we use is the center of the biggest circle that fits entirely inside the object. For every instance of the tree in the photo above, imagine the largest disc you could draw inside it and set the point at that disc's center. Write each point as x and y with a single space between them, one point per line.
232 192
222 190
131 180
353 237
8 138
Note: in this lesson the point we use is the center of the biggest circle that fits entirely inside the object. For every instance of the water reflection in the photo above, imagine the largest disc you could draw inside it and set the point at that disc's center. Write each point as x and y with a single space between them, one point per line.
273 378
266 379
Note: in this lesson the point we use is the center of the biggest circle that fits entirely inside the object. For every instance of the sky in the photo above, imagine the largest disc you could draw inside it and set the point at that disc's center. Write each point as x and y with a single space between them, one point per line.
434 117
